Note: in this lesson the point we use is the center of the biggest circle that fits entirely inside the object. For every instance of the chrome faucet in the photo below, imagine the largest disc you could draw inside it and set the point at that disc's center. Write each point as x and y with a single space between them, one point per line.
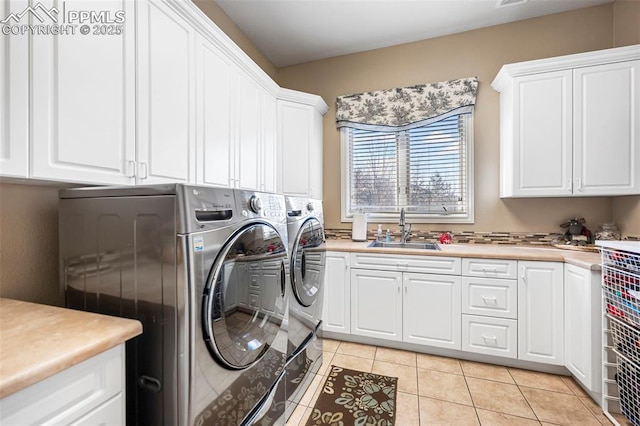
405 234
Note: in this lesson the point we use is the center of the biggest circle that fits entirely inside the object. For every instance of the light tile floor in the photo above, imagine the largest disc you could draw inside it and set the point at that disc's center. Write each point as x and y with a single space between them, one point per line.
435 390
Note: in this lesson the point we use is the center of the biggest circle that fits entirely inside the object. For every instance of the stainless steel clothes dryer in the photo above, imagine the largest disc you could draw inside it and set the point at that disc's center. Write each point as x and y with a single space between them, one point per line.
204 270
305 224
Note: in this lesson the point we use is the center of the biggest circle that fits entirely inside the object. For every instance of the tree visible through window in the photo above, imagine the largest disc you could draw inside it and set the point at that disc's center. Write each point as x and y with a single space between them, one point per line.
424 169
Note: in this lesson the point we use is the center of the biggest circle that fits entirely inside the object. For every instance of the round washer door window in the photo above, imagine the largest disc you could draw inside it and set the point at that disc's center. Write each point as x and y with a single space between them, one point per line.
307 262
243 302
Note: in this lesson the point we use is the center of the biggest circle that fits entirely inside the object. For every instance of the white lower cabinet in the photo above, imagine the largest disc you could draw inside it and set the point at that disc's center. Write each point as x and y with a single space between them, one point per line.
336 309
583 326
431 310
473 305
91 392
490 297
376 304
541 312
490 336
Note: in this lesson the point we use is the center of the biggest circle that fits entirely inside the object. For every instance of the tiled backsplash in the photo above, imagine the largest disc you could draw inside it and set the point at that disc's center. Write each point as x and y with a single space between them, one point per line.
468 237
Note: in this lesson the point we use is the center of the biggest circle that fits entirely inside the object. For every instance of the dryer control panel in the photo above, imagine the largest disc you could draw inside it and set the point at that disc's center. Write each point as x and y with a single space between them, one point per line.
264 205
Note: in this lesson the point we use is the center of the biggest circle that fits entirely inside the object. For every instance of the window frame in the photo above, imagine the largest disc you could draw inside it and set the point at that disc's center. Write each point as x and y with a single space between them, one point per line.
411 217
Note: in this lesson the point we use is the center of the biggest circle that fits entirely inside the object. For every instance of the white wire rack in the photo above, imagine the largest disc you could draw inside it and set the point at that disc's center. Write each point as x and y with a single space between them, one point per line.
621 339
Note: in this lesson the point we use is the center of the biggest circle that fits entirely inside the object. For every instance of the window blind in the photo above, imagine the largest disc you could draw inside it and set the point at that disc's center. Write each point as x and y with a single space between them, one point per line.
423 169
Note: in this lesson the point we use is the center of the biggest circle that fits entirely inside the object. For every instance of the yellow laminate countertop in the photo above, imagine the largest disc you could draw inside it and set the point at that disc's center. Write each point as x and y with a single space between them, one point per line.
588 260
38 341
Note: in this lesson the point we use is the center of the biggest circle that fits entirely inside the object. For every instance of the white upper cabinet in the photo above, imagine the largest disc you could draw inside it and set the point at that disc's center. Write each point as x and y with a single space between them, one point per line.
300 143
166 98
606 123
269 146
248 133
215 82
236 124
14 98
166 95
83 101
570 126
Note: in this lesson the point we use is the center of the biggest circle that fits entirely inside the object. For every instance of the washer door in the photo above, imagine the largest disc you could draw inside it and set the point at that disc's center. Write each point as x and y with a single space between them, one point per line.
307 262
243 302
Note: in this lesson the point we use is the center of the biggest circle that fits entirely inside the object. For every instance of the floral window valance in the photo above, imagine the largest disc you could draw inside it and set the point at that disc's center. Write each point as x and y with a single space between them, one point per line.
406 107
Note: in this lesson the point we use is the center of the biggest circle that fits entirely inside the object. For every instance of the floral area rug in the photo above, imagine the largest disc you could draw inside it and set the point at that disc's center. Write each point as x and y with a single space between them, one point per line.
355 398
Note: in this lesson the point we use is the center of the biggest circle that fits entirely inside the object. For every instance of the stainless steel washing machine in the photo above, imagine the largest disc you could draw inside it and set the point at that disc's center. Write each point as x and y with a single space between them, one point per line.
305 225
204 270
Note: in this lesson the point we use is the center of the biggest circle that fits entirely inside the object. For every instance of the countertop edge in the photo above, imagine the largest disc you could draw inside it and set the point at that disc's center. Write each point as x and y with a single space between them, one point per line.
114 331
587 260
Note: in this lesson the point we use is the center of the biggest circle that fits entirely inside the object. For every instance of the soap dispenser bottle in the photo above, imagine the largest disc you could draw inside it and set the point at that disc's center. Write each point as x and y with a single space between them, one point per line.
379 233
388 237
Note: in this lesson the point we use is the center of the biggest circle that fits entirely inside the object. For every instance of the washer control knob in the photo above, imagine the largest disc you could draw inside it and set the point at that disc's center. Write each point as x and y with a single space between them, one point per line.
255 204
310 207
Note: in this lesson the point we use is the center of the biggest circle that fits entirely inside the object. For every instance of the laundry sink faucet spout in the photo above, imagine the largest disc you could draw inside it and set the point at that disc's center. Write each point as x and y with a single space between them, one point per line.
405 233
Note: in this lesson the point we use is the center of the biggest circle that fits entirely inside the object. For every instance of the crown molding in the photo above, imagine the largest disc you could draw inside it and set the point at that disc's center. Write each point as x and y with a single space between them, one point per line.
559 63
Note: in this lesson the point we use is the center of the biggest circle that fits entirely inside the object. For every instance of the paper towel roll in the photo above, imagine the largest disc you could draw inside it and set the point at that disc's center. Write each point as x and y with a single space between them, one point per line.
359 228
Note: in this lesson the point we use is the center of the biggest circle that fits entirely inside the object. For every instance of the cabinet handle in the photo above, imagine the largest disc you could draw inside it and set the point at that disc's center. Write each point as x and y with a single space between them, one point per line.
570 185
489 300
494 339
488 269
579 184
398 289
402 266
522 276
405 289
131 169
143 171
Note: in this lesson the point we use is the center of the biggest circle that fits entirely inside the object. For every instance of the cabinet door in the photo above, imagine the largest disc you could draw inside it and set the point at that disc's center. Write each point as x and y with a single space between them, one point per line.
248 94
295 138
14 98
541 312
317 154
268 160
83 101
583 325
166 103
215 77
542 139
336 313
607 129
432 313
376 304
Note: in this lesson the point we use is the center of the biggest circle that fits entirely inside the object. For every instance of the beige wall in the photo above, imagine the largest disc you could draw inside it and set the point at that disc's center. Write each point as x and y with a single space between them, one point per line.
222 20
29 243
626 214
478 53
626 22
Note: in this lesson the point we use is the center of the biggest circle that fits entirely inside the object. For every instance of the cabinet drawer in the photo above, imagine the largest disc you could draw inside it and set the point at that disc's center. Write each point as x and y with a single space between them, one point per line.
420 264
490 297
490 336
68 395
490 268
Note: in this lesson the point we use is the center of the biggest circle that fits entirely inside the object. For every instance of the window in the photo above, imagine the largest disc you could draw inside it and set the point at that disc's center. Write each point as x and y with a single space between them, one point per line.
426 170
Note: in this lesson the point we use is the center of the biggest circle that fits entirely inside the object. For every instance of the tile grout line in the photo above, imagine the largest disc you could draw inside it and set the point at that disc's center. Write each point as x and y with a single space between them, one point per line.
525 398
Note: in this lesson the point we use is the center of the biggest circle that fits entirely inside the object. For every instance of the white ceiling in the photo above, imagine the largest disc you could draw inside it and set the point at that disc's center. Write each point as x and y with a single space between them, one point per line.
295 31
